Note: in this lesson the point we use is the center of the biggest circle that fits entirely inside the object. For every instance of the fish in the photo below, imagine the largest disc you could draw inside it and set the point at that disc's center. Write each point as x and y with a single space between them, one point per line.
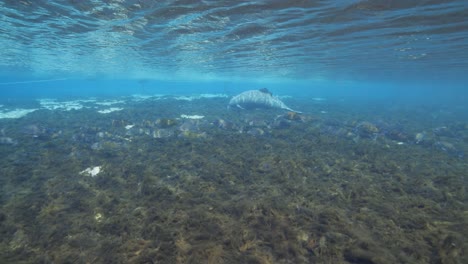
258 99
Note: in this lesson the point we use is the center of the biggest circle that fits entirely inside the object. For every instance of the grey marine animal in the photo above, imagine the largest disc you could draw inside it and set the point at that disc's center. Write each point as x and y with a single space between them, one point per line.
258 99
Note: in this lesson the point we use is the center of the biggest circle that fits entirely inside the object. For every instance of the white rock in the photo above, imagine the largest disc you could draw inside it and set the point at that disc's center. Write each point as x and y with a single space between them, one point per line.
192 116
110 110
17 113
91 171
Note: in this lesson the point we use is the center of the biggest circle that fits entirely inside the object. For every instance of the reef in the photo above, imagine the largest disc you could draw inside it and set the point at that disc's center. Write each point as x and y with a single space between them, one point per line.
142 185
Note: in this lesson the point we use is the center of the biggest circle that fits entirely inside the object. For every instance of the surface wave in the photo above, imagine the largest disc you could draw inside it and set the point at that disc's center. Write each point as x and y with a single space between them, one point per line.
292 39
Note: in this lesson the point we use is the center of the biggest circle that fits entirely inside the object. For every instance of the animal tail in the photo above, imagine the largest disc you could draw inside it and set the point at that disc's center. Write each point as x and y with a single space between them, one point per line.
289 109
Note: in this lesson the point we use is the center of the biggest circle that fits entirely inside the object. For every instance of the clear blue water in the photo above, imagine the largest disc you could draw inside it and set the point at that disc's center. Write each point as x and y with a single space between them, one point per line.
399 45
117 144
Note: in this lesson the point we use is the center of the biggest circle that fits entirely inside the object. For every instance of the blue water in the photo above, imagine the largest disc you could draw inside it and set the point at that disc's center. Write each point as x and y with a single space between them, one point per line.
117 144
325 47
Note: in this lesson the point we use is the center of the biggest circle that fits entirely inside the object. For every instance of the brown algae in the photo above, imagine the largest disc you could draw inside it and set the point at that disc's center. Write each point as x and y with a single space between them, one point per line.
310 190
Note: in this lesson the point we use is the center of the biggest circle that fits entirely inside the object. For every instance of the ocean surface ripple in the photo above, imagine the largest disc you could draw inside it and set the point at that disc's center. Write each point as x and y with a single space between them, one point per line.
292 39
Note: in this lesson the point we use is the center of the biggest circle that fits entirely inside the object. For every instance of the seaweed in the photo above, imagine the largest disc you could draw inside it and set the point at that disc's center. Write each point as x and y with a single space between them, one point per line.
343 188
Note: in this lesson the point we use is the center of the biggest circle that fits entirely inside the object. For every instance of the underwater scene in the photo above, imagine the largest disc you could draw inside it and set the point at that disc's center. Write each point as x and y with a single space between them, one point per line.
174 131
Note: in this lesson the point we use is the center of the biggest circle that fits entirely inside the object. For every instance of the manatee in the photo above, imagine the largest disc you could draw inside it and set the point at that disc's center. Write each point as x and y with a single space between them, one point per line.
258 99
